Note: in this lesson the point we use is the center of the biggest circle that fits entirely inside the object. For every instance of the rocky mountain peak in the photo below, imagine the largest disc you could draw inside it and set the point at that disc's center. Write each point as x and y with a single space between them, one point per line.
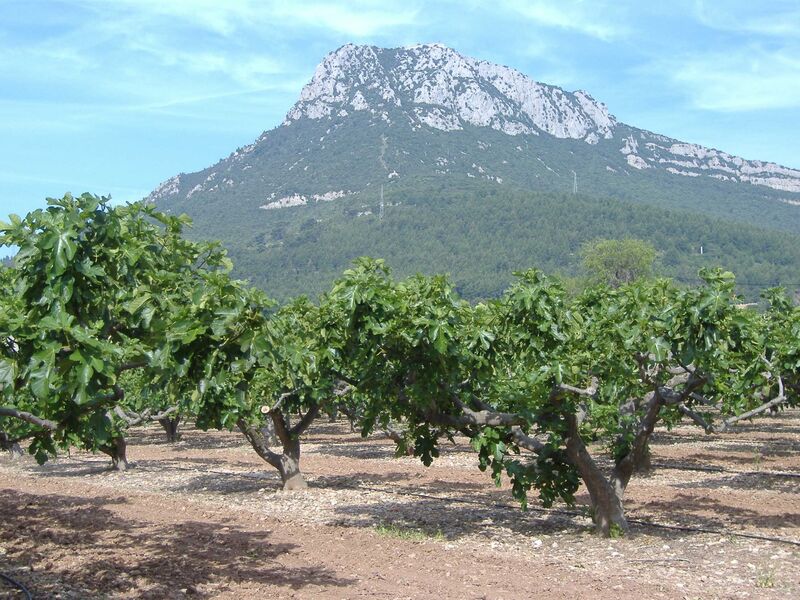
434 112
433 85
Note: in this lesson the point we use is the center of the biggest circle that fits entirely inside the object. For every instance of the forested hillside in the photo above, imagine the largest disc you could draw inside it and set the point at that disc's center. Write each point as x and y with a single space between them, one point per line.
480 234
483 171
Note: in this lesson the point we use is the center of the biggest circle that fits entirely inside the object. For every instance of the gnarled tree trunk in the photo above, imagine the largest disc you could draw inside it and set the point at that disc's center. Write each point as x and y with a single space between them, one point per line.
170 426
6 443
117 450
289 467
607 494
643 465
605 497
288 461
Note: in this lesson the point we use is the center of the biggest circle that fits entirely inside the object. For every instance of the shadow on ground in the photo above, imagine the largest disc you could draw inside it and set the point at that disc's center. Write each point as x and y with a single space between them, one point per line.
134 557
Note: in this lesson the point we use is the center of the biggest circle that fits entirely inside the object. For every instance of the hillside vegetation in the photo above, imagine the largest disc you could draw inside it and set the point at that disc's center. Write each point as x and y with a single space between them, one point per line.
480 233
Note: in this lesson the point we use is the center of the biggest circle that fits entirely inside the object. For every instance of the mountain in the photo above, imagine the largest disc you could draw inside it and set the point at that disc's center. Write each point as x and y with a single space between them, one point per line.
379 134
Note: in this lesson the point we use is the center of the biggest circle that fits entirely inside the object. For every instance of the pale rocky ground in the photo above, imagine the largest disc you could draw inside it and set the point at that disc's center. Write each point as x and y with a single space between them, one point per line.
202 518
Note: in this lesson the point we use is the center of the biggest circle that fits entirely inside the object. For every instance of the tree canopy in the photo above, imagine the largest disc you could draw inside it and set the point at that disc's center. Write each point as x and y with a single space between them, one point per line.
105 299
616 262
94 292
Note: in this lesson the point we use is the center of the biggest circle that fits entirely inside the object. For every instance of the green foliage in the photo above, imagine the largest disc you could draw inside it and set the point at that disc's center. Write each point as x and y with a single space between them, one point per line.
94 293
479 234
403 533
415 351
765 579
438 219
105 300
615 262
616 531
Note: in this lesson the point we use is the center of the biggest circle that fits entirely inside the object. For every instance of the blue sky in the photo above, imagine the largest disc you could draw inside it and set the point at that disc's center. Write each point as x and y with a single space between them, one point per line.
114 96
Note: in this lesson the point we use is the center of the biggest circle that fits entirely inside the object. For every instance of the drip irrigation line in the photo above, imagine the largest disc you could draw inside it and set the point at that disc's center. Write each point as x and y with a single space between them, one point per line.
574 513
667 435
17 585
560 511
248 474
673 467
741 534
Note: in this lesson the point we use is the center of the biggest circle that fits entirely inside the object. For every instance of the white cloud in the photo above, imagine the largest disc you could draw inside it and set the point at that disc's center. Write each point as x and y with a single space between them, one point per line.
749 78
596 19
778 18
359 19
221 17
229 17
138 51
251 70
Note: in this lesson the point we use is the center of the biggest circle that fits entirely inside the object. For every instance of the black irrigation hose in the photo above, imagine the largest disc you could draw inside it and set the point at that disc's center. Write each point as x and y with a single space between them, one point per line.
574 513
17 585
674 467
668 466
667 435
752 536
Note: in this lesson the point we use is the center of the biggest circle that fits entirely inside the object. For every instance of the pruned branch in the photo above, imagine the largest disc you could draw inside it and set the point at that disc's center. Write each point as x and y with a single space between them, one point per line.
259 443
265 410
281 427
305 421
696 417
346 379
342 388
164 414
726 424
129 418
588 392
528 442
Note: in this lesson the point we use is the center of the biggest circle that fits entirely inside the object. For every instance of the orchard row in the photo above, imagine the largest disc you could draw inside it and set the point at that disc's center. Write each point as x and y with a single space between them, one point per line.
109 317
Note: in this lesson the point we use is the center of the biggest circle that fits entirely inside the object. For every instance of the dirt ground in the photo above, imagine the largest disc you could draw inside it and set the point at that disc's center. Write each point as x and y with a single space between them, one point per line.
203 518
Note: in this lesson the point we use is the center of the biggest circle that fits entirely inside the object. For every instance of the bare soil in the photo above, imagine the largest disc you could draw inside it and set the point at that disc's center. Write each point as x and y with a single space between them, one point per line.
204 518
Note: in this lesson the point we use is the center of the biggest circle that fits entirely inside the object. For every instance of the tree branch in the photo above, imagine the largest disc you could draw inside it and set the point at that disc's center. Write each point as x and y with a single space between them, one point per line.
588 392
132 418
129 366
6 411
528 442
696 417
281 428
488 417
305 421
259 443
265 410
779 399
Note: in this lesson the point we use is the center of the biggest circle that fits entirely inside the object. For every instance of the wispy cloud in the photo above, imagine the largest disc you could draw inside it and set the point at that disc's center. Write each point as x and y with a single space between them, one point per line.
223 18
248 70
778 18
595 19
746 79
354 17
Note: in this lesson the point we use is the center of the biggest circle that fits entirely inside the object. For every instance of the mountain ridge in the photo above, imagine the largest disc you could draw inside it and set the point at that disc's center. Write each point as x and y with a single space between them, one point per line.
436 87
396 130
548 108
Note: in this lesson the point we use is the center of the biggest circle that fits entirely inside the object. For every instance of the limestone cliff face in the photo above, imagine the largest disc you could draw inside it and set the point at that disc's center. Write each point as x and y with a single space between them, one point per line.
382 115
436 86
